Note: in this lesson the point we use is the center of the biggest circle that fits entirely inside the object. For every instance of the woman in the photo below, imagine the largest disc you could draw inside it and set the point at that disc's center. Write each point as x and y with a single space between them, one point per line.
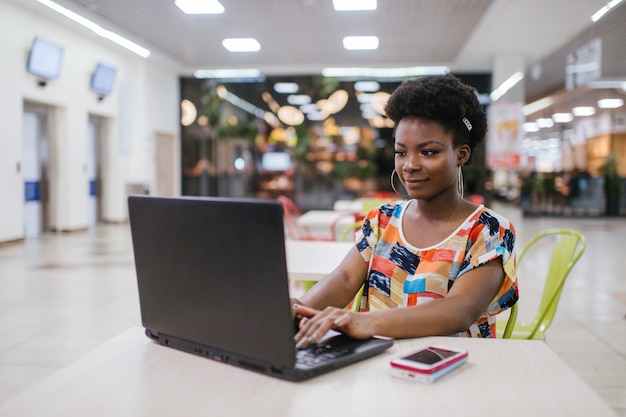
435 264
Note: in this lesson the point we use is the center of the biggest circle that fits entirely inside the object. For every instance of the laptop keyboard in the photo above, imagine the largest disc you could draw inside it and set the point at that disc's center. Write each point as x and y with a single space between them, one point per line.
322 352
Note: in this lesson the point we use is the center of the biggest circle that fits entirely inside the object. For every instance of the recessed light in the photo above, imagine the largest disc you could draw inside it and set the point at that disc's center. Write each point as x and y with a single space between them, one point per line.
298 99
583 111
355 43
228 73
604 10
387 73
286 88
610 103
351 5
200 6
531 127
241 44
367 86
544 122
562 117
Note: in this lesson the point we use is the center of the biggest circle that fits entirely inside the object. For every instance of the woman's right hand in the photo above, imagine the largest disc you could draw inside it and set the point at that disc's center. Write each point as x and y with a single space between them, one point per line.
314 324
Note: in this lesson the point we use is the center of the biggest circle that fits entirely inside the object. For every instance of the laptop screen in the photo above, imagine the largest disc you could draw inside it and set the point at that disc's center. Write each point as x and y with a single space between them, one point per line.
213 271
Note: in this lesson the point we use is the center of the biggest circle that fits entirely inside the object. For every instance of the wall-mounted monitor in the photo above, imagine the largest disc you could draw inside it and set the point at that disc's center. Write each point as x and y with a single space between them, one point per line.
276 161
103 79
45 59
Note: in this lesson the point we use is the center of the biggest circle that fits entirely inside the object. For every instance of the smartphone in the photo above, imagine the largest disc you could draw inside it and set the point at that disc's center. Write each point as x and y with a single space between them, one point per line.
428 364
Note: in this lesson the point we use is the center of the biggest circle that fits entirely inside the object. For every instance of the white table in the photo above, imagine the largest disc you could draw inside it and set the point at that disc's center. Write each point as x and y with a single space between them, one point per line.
348 206
131 376
320 223
311 260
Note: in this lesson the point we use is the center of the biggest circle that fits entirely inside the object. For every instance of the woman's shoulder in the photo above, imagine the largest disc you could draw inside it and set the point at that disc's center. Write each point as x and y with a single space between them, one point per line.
389 208
491 218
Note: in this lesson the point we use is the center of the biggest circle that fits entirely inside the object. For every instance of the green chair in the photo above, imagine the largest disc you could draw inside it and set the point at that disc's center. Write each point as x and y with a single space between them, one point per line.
510 323
347 234
355 304
567 247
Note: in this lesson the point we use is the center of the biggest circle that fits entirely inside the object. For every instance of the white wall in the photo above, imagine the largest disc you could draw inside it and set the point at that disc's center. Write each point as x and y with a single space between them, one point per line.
145 101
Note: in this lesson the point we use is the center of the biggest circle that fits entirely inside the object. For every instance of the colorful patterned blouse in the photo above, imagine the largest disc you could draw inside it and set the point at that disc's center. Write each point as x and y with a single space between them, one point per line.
401 275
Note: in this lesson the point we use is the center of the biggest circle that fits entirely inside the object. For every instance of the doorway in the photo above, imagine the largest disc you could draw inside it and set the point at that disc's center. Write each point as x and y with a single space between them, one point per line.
95 138
35 168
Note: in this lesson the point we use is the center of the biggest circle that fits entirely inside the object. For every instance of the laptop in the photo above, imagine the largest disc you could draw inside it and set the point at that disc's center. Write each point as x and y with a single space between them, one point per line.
212 280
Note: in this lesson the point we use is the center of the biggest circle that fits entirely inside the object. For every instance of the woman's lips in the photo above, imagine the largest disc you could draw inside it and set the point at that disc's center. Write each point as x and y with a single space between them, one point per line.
415 180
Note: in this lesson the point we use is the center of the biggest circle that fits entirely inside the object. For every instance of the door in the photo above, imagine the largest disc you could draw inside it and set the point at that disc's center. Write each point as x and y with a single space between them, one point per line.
35 159
94 186
167 157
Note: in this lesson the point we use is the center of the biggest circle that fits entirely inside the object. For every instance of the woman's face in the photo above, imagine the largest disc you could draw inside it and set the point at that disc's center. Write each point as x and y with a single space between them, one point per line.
426 159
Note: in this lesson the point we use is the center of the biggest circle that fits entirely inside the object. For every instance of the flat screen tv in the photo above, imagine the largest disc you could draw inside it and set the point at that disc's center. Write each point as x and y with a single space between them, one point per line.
45 59
103 79
276 161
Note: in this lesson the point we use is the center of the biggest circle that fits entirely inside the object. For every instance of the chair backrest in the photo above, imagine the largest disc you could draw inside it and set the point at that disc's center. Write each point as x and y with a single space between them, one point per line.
568 247
347 234
510 323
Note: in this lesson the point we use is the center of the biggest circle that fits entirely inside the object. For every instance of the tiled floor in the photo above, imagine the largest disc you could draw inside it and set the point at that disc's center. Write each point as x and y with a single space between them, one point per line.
63 295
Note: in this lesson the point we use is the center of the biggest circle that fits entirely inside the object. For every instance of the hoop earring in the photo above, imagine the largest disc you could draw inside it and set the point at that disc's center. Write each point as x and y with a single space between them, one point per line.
393 186
460 183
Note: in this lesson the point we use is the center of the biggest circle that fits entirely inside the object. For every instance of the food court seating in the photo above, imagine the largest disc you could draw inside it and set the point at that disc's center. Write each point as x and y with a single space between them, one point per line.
567 247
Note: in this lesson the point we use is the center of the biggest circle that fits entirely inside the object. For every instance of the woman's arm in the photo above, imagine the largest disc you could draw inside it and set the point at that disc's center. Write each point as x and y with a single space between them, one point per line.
467 300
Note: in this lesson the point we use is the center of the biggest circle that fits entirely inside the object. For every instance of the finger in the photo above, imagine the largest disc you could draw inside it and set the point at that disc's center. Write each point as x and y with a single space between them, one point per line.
341 320
312 331
305 311
303 322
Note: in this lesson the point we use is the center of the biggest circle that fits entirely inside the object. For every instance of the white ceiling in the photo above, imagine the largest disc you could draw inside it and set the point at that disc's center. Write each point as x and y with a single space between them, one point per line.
304 36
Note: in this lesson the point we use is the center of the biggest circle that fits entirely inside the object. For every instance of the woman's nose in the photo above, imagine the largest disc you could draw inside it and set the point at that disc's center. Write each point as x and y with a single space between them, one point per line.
411 164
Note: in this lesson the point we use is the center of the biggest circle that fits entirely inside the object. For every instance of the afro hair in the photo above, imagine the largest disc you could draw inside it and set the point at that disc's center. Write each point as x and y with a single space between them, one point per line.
443 99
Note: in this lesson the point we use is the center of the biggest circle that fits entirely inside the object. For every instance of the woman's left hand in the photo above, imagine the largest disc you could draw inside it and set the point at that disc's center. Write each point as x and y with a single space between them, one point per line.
315 323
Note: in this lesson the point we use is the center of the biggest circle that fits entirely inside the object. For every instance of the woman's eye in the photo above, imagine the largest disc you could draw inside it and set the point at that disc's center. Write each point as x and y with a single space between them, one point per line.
429 152
400 153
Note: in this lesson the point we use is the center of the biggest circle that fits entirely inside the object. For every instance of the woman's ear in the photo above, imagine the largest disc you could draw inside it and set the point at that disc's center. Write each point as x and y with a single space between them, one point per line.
463 154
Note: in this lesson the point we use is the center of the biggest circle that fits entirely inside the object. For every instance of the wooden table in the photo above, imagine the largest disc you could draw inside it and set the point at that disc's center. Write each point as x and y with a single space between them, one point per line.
132 376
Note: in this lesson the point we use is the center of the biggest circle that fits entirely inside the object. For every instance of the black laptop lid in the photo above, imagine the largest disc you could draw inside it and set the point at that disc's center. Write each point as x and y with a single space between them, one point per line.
212 271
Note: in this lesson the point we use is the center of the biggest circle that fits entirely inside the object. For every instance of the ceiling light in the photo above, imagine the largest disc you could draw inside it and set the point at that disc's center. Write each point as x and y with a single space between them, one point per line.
290 115
188 112
358 43
610 103
286 88
250 73
581 111
379 100
336 101
506 85
309 108
367 86
607 84
298 99
241 103
562 117
604 10
545 122
364 97
200 6
241 44
530 127
97 29
535 106
389 73
350 5
317 116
